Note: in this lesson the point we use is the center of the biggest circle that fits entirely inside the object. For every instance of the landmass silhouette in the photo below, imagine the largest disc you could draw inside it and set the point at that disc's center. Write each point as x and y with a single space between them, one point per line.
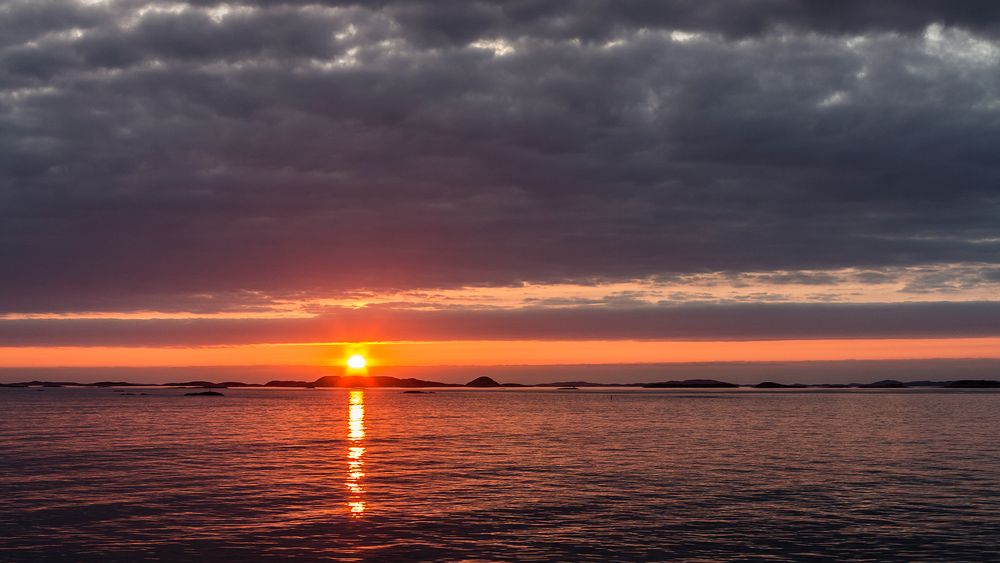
485 382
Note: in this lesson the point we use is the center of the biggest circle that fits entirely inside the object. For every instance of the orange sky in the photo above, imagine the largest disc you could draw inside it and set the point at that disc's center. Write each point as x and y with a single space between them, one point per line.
504 352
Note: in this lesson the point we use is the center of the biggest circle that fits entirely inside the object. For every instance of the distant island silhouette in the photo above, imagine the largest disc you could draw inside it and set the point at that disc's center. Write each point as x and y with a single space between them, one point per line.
973 384
690 383
885 384
773 385
485 382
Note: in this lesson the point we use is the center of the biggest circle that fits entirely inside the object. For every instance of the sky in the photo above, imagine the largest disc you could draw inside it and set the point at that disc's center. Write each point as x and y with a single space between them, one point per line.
524 183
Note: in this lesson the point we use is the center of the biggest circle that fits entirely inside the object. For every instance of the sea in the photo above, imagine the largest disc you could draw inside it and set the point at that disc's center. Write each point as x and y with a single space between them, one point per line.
596 474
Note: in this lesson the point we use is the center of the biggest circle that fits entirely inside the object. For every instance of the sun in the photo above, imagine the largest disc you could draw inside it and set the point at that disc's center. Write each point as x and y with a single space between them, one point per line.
357 361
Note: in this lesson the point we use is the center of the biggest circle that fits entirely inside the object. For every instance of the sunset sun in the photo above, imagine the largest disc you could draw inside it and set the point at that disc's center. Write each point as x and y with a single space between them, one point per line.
357 361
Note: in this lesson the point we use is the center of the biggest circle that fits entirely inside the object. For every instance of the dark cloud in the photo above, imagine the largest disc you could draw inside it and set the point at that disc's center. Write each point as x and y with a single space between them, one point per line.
800 278
688 322
952 280
461 21
872 277
184 157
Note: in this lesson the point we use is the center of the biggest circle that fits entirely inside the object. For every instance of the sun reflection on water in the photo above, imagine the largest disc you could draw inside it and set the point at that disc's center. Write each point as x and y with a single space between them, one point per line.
356 452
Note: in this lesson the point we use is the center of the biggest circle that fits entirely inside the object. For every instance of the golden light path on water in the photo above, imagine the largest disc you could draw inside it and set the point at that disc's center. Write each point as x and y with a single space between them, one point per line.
356 452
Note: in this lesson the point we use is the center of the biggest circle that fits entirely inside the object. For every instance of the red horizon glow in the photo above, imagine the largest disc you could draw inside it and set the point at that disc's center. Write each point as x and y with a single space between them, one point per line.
506 352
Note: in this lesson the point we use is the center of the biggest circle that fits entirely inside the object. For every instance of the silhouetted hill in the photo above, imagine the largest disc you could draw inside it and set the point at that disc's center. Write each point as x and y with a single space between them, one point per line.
974 384
586 384
482 381
885 384
773 385
690 383
359 381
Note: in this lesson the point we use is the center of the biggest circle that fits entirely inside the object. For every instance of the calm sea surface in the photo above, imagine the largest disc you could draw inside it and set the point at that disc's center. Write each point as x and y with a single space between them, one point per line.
89 474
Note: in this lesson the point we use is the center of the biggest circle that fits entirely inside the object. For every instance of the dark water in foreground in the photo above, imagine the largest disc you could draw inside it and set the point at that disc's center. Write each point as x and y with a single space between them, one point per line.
86 474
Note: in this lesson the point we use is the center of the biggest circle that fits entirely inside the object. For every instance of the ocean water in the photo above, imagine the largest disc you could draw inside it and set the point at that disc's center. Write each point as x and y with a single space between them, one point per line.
376 474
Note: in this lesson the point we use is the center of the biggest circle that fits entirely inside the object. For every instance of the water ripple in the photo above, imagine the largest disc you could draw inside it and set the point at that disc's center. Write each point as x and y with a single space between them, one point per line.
361 475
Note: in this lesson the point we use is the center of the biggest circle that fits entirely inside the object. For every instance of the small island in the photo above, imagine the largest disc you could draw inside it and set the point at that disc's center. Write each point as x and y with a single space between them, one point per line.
885 384
483 381
973 384
773 385
690 383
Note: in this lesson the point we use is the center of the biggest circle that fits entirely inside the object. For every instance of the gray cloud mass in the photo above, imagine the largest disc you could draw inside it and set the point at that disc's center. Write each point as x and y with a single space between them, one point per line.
201 151
788 321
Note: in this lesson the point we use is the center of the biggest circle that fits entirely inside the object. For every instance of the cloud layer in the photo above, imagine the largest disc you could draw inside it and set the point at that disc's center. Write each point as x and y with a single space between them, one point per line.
205 155
689 322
